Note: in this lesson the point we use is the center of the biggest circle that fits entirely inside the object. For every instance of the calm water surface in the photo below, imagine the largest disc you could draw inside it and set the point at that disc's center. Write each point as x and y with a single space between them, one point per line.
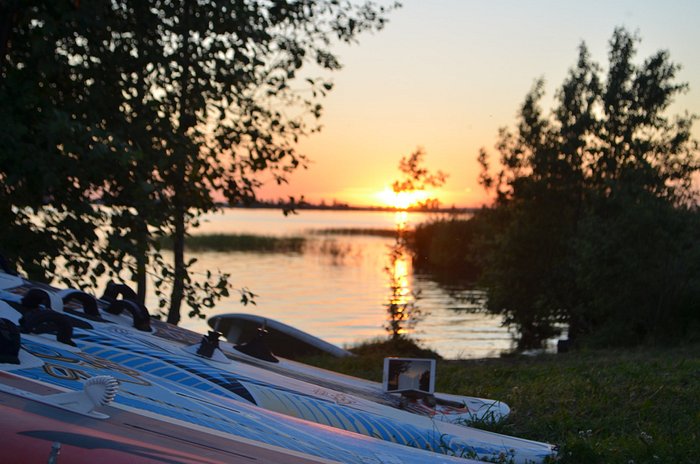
339 286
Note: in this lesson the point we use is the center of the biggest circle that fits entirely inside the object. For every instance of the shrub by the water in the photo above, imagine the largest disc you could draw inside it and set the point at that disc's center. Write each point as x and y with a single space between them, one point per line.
595 222
628 277
446 246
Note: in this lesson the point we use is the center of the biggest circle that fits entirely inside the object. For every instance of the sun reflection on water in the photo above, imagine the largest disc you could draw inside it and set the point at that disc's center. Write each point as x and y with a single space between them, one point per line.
401 220
402 312
399 278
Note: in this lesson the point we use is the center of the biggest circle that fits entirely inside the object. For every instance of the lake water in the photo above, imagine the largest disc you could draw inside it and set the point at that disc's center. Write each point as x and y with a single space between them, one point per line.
338 287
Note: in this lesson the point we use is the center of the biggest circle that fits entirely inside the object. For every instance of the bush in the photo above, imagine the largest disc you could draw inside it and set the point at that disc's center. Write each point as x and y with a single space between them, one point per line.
637 268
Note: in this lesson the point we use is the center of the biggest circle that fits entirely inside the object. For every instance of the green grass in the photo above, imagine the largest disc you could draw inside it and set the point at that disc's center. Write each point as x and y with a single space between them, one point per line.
241 242
632 406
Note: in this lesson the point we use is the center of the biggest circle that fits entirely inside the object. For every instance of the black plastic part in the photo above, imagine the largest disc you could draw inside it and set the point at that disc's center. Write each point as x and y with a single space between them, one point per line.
41 321
209 344
10 342
6 267
114 290
142 320
37 297
257 347
87 301
129 302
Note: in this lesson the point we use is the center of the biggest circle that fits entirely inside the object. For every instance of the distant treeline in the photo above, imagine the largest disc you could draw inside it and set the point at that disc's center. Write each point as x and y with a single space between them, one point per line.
293 205
595 223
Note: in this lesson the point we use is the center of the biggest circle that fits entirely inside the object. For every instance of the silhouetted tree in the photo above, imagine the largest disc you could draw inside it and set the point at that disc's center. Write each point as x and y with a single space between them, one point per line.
183 101
572 177
49 136
417 177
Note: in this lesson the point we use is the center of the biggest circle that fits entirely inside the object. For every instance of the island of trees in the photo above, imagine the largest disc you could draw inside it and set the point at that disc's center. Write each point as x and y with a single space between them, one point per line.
595 225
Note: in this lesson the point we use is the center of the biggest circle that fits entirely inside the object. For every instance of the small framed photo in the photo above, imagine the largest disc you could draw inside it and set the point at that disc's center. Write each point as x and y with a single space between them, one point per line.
409 375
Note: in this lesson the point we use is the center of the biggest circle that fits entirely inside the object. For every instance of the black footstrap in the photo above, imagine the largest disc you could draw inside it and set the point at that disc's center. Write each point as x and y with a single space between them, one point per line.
87 301
36 297
114 290
142 321
39 321
10 342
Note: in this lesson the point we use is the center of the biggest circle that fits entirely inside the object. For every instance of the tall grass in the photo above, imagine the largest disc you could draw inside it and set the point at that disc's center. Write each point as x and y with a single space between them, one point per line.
447 247
241 242
356 231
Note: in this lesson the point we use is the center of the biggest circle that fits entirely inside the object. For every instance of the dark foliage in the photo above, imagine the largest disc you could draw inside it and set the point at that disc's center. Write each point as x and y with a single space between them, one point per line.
156 110
450 246
595 223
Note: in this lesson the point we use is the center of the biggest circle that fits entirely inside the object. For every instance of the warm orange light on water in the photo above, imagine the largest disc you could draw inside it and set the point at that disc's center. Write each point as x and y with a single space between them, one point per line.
401 220
400 275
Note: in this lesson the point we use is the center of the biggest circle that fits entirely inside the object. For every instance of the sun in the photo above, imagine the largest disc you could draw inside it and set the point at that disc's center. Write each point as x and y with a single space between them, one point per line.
402 200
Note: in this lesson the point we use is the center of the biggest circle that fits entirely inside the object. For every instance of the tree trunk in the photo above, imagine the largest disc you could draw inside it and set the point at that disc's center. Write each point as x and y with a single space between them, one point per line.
179 194
144 243
142 262
179 265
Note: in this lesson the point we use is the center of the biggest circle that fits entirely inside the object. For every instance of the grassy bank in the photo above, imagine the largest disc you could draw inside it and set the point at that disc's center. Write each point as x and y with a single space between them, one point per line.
240 242
357 231
633 406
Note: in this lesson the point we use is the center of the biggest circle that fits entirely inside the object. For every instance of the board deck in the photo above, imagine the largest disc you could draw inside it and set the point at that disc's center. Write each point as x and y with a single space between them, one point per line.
305 401
35 428
457 409
165 365
159 421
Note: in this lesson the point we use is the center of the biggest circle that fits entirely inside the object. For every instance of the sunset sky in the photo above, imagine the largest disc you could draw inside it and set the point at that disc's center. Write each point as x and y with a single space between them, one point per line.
446 74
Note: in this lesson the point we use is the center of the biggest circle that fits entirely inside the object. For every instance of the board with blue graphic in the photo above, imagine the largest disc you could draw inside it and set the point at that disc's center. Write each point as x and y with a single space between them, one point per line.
221 422
169 362
39 432
181 376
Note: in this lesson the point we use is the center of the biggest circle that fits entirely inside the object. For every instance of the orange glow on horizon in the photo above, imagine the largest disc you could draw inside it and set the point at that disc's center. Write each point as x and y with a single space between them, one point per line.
402 200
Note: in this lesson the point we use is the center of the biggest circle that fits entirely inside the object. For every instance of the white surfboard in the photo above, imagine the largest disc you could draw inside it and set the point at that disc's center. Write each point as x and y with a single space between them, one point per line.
171 361
150 418
238 328
284 340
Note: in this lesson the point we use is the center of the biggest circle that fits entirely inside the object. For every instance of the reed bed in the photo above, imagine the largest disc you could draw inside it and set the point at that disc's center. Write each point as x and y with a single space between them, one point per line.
241 242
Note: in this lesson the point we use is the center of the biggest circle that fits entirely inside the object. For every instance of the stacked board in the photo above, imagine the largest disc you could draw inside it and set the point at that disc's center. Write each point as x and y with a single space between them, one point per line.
156 420
39 430
457 409
160 375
